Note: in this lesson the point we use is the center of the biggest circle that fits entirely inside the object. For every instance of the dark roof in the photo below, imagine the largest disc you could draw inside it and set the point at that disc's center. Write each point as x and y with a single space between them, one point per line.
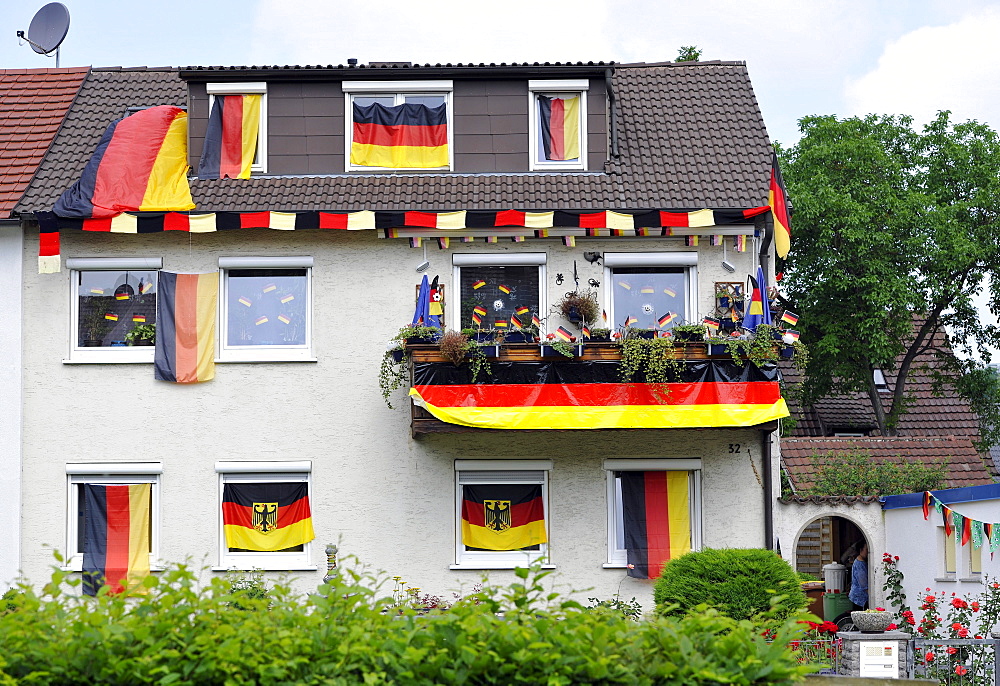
691 137
831 499
33 103
105 97
963 465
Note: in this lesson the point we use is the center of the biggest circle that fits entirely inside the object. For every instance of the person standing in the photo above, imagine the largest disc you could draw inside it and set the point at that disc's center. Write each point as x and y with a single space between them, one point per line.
859 579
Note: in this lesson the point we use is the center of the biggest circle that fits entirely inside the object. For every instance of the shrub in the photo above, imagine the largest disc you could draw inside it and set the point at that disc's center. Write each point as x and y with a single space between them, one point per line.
857 473
741 583
347 634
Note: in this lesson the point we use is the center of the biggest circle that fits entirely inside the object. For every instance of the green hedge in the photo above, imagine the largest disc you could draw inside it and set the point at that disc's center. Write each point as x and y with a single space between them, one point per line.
181 633
741 582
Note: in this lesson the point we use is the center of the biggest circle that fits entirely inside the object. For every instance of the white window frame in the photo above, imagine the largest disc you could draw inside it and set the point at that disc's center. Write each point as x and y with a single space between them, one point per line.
110 473
398 90
247 88
263 353
550 87
524 259
298 471
685 259
116 355
948 544
465 472
618 557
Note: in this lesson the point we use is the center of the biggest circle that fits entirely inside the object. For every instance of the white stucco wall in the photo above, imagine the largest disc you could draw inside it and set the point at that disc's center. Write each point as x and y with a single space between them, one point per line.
383 496
11 249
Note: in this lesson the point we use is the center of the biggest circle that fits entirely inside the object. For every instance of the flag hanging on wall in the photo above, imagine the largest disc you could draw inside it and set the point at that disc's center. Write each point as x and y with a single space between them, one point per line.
270 516
560 124
185 327
657 520
116 537
503 516
778 200
140 165
407 136
231 137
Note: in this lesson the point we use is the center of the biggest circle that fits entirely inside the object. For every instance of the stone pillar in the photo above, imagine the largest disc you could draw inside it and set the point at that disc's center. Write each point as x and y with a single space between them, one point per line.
854 641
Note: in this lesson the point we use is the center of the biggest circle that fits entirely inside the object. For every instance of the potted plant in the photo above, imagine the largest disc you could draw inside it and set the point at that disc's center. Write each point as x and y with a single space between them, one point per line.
689 332
600 335
142 334
871 621
95 327
415 334
579 306
555 346
457 348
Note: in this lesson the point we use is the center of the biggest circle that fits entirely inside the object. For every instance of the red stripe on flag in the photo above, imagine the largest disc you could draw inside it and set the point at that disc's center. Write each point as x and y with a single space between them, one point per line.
403 134
330 220
255 220
520 514
510 218
657 522
186 327
593 220
231 156
97 224
119 521
239 515
557 121
754 211
48 243
427 220
674 218
175 221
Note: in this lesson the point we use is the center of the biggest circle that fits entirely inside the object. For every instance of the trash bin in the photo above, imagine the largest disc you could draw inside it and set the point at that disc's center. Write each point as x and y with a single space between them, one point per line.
835 576
835 605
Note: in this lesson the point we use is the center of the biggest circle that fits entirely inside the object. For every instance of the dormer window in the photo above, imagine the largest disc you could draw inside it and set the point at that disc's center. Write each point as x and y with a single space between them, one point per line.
398 125
558 131
880 383
236 139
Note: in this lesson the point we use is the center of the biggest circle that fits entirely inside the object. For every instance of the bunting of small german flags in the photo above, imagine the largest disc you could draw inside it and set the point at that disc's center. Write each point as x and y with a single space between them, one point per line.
966 528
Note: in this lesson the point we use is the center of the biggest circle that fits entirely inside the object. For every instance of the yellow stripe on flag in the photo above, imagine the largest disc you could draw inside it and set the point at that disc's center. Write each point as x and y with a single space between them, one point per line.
617 220
283 221
167 187
399 156
515 538
451 220
251 129
571 127
278 539
701 218
138 537
538 220
125 223
678 513
364 219
208 299
201 223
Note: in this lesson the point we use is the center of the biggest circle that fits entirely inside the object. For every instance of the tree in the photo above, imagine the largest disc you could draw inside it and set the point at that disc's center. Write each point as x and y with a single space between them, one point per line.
893 226
688 53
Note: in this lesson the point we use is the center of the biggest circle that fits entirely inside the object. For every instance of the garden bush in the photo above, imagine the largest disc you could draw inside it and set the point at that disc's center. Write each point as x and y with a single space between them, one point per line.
739 582
183 633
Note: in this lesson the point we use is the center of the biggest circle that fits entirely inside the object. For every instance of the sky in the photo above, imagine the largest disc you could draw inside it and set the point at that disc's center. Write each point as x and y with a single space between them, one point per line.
842 57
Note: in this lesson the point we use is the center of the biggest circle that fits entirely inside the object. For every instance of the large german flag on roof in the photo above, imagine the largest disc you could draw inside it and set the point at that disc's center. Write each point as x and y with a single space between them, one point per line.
590 395
272 516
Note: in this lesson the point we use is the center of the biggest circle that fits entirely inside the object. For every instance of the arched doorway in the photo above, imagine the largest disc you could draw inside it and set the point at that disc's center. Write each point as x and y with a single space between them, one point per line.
825 540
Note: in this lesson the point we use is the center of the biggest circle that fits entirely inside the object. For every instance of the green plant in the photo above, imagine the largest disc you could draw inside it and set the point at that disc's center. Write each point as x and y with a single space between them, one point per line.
559 345
96 325
698 330
602 334
857 473
141 332
650 360
248 590
741 583
579 306
416 331
456 348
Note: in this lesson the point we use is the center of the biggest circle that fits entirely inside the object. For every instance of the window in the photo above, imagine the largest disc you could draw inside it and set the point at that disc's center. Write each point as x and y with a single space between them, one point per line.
111 299
259 165
974 559
108 474
265 518
505 286
677 487
949 557
398 125
558 130
501 513
651 290
266 309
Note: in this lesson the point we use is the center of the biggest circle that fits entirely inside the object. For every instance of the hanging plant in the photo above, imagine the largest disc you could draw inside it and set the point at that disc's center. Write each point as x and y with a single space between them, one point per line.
457 348
650 360
579 306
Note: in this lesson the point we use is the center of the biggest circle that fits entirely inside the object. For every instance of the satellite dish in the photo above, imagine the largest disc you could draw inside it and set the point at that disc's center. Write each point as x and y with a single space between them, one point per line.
48 28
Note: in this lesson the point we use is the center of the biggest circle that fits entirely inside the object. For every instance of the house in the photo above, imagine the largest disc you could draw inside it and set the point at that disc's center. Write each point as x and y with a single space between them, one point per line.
649 185
33 103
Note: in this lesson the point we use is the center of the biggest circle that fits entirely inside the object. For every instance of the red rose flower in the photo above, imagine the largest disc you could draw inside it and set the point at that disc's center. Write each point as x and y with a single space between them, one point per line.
961 671
891 627
952 650
929 657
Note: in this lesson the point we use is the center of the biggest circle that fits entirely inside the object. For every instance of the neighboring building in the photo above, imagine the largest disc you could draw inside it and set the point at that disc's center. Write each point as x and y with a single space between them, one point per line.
667 154
33 103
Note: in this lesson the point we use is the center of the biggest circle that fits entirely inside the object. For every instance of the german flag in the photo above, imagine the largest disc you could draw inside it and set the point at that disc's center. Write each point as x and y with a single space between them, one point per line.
115 537
666 319
515 321
790 318
273 516
522 310
560 124
503 516
140 164
927 504
185 327
778 200
231 137
657 517
966 530
478 284
140 318
564 334
407 136
499 323
504 288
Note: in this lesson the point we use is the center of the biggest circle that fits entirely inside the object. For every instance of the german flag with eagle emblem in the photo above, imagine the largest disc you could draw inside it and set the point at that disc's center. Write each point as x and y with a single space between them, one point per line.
266 517
503 516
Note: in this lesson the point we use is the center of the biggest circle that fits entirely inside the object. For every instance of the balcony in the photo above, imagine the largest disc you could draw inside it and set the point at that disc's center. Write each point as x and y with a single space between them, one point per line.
670 385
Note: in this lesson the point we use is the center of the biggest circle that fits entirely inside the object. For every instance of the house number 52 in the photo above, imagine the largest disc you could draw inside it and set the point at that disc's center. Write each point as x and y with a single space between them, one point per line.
734 448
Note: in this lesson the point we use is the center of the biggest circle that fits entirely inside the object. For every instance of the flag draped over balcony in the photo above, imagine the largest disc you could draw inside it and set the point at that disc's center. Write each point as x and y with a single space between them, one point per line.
560 123
656 515
231 137
407 136
266 517
140 164
115 537
185 327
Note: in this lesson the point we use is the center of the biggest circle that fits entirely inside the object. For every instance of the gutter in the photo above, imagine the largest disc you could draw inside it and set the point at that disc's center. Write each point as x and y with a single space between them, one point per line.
613 114
765 450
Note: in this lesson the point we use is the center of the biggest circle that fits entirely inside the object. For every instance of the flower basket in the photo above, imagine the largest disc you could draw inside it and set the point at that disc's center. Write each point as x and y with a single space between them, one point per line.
871 622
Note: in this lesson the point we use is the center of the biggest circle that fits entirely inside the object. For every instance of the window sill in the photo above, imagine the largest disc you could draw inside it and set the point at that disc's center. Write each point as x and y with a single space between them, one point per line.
944 579
492 565
971 579
614 565
265 360
266 568
79 568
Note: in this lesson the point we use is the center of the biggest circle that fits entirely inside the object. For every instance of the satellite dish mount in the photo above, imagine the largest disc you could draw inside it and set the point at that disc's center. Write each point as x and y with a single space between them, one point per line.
48 29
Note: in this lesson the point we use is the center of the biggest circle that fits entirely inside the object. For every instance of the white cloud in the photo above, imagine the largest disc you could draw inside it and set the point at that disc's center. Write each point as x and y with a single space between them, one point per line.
950 67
